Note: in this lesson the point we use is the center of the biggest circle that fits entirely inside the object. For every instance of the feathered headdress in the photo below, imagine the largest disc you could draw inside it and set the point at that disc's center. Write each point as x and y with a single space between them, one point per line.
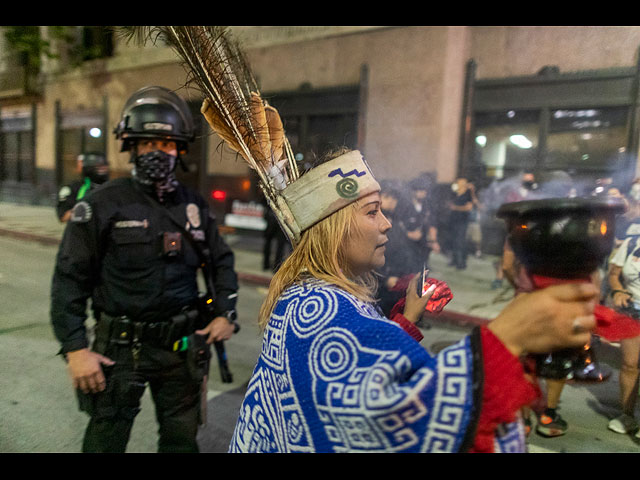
235 110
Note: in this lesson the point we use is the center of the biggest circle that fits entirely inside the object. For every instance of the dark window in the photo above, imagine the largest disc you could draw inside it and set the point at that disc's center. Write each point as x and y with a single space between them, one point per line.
79 132
97 42
16 149
317 121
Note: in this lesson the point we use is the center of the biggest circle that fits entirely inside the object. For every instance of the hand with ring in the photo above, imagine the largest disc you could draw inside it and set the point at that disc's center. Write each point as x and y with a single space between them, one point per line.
556 317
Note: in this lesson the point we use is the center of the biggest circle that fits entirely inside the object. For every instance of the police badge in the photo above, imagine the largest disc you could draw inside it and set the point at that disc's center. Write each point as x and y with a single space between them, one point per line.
193 215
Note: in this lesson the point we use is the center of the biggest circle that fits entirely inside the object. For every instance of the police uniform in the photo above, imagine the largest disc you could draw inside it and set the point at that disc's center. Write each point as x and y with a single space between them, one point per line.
114 251
94 172
70 194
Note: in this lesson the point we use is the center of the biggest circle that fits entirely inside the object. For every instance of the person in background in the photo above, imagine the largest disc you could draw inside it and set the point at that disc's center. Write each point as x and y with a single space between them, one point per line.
424 209
526 190
273 234
624 282
460 207
95 171
474 231
402 252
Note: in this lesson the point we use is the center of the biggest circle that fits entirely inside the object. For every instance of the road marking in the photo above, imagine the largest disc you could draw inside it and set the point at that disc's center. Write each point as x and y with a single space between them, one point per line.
213 393
20 327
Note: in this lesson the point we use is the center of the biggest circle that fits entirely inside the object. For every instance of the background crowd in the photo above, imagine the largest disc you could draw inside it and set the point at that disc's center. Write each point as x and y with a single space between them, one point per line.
458 220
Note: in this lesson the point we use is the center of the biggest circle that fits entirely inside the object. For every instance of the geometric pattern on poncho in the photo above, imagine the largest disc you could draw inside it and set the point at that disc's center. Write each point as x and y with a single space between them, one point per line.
334 375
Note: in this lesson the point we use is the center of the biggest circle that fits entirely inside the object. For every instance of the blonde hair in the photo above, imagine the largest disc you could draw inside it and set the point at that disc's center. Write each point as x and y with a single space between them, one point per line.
320 254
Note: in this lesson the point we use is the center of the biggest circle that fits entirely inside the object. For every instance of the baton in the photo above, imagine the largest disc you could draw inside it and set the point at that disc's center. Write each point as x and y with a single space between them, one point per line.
225 373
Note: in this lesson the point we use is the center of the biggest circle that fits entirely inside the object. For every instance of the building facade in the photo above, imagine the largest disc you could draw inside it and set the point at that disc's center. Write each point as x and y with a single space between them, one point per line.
484 102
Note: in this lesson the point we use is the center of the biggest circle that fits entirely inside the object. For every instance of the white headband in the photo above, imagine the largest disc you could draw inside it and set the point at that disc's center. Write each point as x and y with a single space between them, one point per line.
324 190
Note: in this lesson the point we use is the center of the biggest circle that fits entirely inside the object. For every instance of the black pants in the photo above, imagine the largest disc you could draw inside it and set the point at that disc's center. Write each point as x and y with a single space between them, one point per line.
175 393
459 243
280 240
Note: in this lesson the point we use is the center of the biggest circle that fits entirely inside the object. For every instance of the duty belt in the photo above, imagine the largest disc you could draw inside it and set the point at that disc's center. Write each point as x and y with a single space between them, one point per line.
124 331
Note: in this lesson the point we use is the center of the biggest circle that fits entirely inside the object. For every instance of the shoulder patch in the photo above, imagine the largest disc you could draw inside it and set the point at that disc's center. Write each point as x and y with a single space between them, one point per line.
64 193
81 212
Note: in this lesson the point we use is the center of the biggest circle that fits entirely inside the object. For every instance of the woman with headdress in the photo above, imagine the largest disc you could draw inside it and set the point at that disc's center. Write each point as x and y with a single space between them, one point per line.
335 375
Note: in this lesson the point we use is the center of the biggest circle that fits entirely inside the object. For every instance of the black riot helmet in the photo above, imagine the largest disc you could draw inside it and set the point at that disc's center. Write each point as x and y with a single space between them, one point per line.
94 166
92 159
155 112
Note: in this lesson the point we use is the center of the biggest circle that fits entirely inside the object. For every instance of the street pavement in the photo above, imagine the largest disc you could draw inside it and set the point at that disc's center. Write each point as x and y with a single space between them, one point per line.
586 407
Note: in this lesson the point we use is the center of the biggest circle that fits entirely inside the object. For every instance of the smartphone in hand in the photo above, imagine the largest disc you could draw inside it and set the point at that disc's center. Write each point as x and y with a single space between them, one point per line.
423 285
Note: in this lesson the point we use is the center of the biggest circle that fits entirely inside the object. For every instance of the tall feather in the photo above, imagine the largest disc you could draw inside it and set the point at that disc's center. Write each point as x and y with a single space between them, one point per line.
233 107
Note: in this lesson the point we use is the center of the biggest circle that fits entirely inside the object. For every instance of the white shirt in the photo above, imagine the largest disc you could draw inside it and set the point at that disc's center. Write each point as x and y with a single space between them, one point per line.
630 268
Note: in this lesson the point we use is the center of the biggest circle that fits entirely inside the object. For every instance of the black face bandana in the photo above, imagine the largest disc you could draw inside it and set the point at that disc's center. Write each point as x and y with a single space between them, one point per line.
156 169
97 177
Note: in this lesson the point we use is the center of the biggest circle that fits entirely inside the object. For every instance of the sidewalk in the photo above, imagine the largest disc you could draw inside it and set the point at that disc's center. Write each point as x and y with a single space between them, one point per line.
473 299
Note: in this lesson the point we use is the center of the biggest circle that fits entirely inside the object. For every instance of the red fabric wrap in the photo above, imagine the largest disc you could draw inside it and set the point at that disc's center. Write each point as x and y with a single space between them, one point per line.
500 404
611 325
407 326
440 297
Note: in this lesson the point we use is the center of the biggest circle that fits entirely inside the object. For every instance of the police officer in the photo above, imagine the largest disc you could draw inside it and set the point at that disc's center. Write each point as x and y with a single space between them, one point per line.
134 247
95 171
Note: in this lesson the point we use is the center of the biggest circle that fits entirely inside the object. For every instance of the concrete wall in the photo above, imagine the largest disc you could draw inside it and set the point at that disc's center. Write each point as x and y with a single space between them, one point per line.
416 79
513 51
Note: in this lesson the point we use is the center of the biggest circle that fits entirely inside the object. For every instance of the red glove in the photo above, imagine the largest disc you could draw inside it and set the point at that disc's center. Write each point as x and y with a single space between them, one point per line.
440 297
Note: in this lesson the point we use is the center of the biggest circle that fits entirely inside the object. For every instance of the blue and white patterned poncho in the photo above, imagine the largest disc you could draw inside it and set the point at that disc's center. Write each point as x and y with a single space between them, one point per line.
334 375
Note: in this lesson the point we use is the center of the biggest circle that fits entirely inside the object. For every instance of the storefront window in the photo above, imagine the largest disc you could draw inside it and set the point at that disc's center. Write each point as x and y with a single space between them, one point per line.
507 142
318 121
587 142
